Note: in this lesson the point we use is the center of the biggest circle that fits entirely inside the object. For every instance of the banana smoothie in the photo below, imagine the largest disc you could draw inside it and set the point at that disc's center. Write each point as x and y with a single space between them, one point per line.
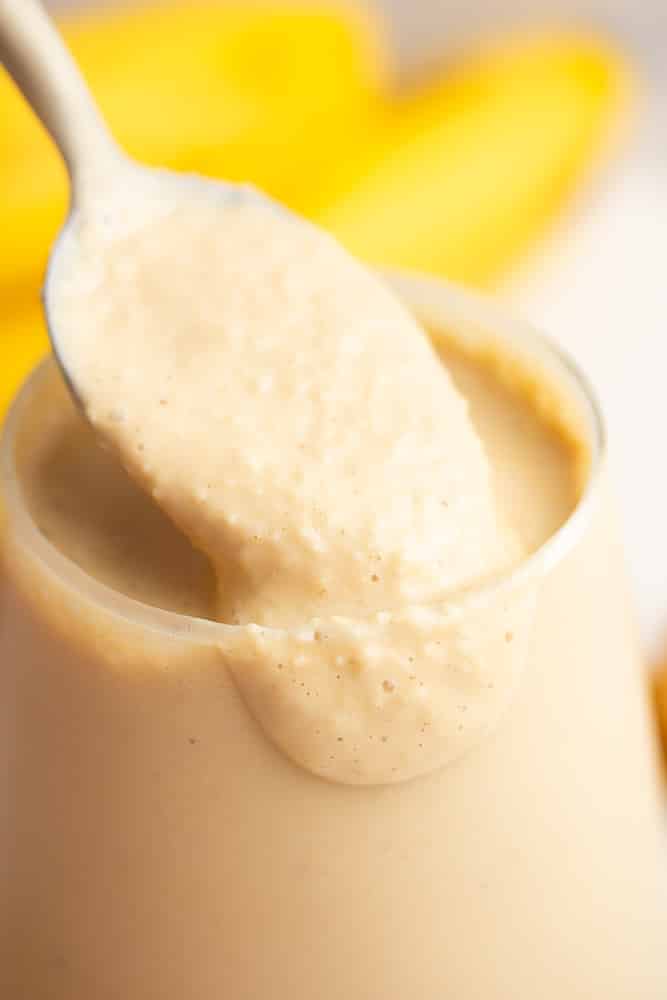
319 678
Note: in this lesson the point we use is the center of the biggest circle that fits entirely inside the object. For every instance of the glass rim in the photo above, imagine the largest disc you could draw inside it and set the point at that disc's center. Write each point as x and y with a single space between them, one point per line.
463 307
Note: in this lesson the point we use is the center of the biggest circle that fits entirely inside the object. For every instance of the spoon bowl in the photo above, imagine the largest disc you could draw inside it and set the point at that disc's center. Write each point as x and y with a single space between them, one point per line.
105 184
154 190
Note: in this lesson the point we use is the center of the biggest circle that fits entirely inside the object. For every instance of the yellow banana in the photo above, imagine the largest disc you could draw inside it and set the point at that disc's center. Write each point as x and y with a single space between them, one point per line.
660 692
259 93
458 177
23 342
461 177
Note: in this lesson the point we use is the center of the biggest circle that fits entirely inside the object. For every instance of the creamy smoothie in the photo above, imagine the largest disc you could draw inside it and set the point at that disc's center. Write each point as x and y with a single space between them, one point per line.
278 402
89 508
166 834
291 417
300 704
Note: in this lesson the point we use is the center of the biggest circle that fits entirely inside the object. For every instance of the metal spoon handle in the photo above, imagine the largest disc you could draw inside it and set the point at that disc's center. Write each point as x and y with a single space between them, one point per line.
35 55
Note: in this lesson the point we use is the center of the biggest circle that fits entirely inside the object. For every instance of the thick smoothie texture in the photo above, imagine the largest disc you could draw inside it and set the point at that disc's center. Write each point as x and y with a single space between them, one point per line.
281 405
145 798
393 743
93 512
291 417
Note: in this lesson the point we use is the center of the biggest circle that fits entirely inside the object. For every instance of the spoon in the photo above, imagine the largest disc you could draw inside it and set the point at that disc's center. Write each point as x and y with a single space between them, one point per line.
102 178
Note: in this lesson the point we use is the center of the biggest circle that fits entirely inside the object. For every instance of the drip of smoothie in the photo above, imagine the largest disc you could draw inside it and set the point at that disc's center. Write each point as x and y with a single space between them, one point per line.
284 409
294 421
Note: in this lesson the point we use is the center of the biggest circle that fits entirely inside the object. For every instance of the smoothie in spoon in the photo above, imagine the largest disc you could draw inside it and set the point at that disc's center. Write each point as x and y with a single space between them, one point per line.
290 416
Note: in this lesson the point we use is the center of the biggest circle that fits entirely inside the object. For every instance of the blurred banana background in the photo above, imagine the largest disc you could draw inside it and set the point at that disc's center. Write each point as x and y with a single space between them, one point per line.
457 174
461 167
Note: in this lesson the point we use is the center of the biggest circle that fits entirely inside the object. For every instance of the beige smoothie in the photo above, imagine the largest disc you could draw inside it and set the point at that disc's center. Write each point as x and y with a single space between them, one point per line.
175 825
290 416
318 682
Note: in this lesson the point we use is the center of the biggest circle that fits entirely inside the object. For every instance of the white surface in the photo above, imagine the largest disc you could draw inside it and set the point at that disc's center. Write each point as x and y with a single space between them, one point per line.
601 291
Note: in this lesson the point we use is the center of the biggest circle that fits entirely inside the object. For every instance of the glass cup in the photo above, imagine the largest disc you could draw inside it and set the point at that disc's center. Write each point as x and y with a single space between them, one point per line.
155 843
